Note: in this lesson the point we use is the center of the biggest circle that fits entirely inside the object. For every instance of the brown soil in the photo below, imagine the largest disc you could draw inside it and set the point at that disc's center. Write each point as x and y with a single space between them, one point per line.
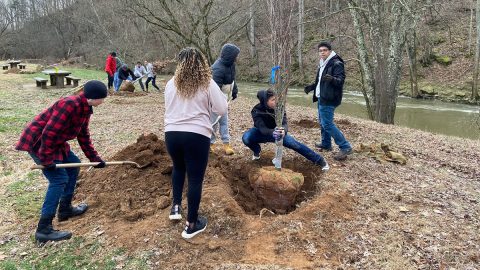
131 207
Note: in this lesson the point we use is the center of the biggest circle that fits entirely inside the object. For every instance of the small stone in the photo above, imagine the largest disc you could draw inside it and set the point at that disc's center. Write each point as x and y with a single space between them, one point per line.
163 202
23 254
403 209
438 211
213 245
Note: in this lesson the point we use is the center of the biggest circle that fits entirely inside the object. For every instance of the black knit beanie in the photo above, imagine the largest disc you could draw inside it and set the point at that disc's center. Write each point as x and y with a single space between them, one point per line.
95 90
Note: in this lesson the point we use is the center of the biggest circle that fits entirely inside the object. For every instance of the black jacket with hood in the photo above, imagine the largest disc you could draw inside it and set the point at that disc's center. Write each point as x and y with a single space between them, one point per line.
264 117
124 72
223 70
331 92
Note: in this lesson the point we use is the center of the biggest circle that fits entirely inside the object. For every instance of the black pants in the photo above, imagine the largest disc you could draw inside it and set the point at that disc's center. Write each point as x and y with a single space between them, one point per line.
189 153
110 81
153 82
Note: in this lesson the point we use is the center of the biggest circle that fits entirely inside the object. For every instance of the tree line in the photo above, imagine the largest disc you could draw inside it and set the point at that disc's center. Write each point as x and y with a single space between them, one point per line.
380 40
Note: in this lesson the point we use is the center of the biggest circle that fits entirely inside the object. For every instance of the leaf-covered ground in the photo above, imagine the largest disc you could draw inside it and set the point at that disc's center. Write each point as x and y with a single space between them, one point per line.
362 214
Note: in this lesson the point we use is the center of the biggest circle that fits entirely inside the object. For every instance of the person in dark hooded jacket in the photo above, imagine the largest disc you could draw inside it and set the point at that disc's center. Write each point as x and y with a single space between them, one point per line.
223 73
328 91
265 130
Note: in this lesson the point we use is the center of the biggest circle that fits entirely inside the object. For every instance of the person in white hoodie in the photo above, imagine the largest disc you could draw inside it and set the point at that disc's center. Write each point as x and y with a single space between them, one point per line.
139 72
191 97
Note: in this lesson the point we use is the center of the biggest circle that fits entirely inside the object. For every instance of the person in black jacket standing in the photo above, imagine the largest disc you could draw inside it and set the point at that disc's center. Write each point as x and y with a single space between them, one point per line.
328 90
223 72
265 130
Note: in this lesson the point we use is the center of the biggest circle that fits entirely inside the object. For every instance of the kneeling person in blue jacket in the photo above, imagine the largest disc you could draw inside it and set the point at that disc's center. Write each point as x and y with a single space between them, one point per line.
265 130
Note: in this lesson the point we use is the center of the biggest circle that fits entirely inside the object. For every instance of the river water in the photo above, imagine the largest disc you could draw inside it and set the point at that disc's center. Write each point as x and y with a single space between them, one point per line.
435 116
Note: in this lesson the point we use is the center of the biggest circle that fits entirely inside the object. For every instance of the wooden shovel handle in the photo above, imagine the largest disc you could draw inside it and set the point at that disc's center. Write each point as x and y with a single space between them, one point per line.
86 164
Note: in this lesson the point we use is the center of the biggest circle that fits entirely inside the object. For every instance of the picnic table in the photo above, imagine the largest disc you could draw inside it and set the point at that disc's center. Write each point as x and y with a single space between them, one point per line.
57 77
14 63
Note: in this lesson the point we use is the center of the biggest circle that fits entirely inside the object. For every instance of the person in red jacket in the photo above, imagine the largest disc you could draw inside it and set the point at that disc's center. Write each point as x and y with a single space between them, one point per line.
110 68
45 139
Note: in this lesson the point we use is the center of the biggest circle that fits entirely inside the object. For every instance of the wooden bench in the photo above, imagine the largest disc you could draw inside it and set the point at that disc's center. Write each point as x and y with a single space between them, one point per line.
41 82
22 66
5 67
74 79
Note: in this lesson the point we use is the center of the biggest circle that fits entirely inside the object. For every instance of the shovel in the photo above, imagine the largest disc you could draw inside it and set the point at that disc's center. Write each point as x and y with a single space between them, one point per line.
88 164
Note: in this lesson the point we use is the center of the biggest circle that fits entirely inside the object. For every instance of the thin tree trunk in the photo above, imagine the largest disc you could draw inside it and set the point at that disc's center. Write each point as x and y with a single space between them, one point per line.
367 76
411 50
470 29
301 34
477 56
251 30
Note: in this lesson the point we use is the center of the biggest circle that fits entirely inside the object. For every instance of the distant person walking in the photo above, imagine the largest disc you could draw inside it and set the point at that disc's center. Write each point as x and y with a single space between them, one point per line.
191 96
151 75
328 91
139 72
110 68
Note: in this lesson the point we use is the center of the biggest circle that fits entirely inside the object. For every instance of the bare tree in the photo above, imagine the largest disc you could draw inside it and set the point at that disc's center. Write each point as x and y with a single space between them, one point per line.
280 20
5 19
194 23
387 24
301 34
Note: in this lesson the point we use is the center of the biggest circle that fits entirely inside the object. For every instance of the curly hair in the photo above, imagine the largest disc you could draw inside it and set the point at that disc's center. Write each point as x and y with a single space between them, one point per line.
192 73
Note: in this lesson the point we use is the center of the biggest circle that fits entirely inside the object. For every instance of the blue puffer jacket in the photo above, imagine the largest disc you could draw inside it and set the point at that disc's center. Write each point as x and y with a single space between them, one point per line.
223 70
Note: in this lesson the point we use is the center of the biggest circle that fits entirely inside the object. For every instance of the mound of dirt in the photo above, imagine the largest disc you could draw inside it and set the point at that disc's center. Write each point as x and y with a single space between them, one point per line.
127 94
307 123
130 207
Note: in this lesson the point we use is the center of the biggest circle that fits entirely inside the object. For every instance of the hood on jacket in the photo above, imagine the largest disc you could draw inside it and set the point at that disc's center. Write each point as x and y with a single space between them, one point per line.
229 53
263 96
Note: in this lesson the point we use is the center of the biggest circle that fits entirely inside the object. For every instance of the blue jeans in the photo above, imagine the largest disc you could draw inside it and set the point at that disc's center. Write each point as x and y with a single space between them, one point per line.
223 123
61 183
116 81
329 129
253 137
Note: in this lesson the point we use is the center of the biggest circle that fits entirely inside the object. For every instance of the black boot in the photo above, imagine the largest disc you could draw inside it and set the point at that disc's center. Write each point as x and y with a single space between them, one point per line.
66 210
45 231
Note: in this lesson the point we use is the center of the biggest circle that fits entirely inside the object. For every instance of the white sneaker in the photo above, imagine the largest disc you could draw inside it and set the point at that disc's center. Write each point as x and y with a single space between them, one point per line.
255 157
326 167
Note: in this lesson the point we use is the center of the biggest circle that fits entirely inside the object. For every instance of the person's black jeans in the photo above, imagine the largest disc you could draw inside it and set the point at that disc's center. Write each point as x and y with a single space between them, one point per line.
110 81
189 152
152 79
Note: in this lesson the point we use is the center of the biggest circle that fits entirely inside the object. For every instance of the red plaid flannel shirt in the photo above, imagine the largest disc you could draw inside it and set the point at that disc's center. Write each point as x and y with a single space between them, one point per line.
47 135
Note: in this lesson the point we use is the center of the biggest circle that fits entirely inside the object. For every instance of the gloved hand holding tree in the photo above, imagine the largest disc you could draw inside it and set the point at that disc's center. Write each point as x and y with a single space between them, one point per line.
278 133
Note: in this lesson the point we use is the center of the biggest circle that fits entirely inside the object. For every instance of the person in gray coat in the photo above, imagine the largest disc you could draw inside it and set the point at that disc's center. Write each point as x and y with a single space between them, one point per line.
223 72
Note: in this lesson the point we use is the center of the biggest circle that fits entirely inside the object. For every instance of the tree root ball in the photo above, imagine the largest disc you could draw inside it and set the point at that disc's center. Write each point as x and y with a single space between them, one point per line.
127 86
277 189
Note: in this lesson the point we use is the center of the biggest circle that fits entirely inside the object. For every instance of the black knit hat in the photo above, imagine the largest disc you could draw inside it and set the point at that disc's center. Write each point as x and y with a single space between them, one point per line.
95 90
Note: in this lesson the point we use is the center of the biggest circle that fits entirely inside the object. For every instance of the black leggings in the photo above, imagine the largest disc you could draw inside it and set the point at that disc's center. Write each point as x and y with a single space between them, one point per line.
153 82
189 153
110 81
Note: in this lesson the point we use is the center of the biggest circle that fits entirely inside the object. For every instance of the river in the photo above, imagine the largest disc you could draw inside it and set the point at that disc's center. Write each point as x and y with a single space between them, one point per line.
435 116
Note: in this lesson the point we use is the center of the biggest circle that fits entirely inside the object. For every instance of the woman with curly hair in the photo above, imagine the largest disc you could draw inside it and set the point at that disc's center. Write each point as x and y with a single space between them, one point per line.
191 96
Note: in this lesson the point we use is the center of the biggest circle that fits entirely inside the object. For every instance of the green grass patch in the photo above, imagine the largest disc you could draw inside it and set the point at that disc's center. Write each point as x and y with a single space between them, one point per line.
75 254
24 195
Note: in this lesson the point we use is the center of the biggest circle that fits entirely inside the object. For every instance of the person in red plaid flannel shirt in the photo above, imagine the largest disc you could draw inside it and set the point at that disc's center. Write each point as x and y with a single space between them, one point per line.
45 139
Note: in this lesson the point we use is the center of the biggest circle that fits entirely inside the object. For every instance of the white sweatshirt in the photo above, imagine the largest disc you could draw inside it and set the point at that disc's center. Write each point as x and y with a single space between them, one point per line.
322 67
193 115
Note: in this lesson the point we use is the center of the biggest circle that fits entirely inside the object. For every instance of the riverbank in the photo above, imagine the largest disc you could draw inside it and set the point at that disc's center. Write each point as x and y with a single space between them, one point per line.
362 214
